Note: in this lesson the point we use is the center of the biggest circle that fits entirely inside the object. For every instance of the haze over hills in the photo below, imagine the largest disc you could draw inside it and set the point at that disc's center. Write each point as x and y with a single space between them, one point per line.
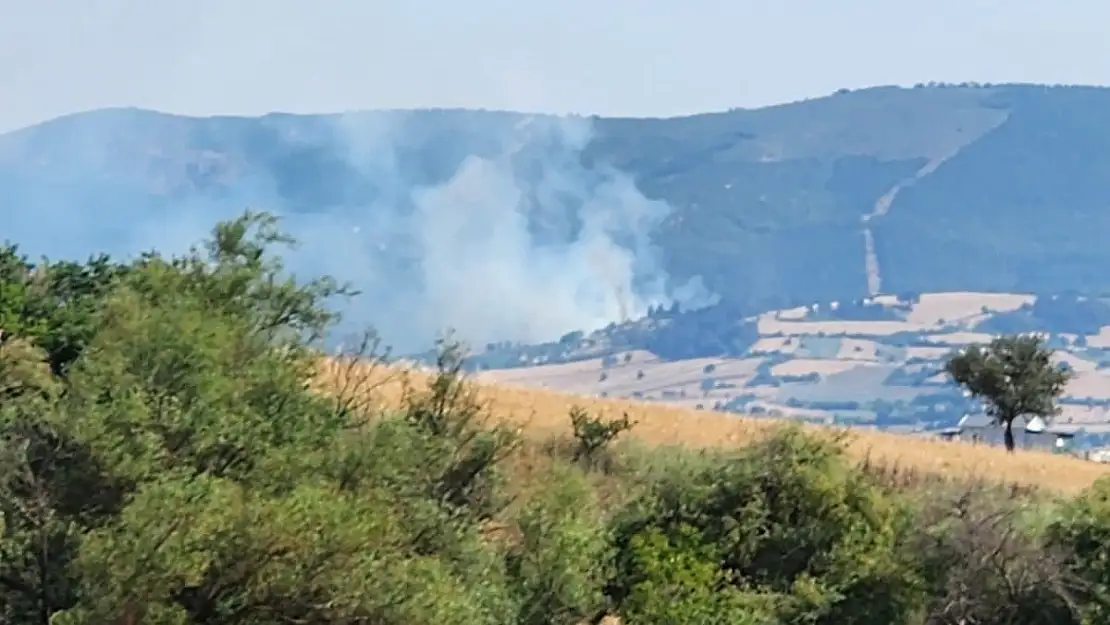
520 228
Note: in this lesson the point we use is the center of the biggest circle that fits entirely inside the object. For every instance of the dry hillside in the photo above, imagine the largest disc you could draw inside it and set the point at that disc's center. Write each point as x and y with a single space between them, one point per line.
541 414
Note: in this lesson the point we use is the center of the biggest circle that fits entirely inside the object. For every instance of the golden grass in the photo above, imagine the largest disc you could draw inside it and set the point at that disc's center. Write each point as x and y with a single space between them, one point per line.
542 414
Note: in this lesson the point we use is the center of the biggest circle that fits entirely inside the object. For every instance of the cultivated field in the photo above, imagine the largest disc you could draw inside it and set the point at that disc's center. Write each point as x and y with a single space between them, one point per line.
541 414
812 364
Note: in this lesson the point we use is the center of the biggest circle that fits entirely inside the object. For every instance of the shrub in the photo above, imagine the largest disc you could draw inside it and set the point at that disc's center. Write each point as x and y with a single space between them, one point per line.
1082 531
558 569
983 559
788 519
593 434
676 579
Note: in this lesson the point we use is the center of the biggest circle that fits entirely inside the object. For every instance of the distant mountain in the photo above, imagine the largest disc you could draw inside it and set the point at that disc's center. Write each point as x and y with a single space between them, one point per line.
445 217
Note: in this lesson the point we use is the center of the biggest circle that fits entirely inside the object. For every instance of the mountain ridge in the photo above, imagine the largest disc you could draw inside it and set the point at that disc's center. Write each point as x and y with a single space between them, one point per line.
878 190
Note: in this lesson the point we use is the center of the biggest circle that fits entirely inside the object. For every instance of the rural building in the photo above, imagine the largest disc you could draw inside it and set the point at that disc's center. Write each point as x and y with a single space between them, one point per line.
1034 433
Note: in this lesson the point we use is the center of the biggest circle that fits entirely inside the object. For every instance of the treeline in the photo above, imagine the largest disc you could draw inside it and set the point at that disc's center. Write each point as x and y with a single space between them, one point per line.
165 459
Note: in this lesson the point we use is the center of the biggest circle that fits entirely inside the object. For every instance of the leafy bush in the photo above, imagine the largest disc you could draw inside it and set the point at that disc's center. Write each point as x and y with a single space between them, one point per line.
677 580
1082 530
166 457
593 434
789 520
559 566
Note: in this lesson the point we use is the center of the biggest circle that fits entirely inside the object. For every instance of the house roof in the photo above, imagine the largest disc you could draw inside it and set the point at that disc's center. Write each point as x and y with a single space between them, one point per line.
1036 425
975 421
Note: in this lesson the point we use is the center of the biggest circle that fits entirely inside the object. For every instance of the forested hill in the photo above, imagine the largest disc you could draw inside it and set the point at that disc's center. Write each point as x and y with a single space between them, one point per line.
934 188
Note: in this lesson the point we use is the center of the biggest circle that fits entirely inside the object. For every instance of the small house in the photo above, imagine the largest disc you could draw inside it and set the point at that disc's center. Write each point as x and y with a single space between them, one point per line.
1034 433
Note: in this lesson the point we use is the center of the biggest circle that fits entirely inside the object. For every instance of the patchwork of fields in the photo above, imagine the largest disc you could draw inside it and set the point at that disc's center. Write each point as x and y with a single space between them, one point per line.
813 364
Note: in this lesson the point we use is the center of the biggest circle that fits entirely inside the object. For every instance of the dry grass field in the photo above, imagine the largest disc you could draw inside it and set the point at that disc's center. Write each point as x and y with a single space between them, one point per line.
804 362
542 414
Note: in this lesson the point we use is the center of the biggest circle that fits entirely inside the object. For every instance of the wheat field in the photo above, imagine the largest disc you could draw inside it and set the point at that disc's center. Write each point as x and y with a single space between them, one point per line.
541 414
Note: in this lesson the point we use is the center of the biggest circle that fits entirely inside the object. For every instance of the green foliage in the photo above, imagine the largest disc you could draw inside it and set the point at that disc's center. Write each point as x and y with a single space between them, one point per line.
164 459
44 505
678 580
54 304
23 369
1013 375
237 556
559 567
789 520
1082 529
187 473
593 434
449 416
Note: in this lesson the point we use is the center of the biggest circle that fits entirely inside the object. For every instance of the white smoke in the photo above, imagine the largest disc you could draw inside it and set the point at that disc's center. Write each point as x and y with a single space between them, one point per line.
522 242
482 270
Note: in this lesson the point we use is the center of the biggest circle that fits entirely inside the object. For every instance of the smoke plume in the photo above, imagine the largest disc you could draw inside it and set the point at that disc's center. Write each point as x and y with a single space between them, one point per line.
511 233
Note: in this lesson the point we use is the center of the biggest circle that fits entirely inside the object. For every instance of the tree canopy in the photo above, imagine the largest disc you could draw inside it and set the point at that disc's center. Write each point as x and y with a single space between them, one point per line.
169 456
1014 376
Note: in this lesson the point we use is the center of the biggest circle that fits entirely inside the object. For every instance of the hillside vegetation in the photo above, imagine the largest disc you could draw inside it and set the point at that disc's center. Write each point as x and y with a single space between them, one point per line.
172 453
933 189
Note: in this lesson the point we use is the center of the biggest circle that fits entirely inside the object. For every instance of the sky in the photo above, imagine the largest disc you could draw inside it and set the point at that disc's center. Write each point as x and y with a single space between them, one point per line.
607 57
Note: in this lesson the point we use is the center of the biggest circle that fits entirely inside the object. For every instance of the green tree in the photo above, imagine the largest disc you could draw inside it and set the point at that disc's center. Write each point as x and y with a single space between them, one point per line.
52 488
146 487
1014 376
166 458
677 579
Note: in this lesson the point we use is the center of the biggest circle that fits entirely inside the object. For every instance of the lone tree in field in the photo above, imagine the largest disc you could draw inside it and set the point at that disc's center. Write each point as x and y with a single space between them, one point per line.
1014 376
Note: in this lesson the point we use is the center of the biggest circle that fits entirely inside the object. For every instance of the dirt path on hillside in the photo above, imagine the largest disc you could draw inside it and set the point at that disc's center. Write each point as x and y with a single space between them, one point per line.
882 207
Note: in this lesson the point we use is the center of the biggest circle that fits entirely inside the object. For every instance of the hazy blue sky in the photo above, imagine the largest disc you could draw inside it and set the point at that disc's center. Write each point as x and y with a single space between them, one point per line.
623 57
